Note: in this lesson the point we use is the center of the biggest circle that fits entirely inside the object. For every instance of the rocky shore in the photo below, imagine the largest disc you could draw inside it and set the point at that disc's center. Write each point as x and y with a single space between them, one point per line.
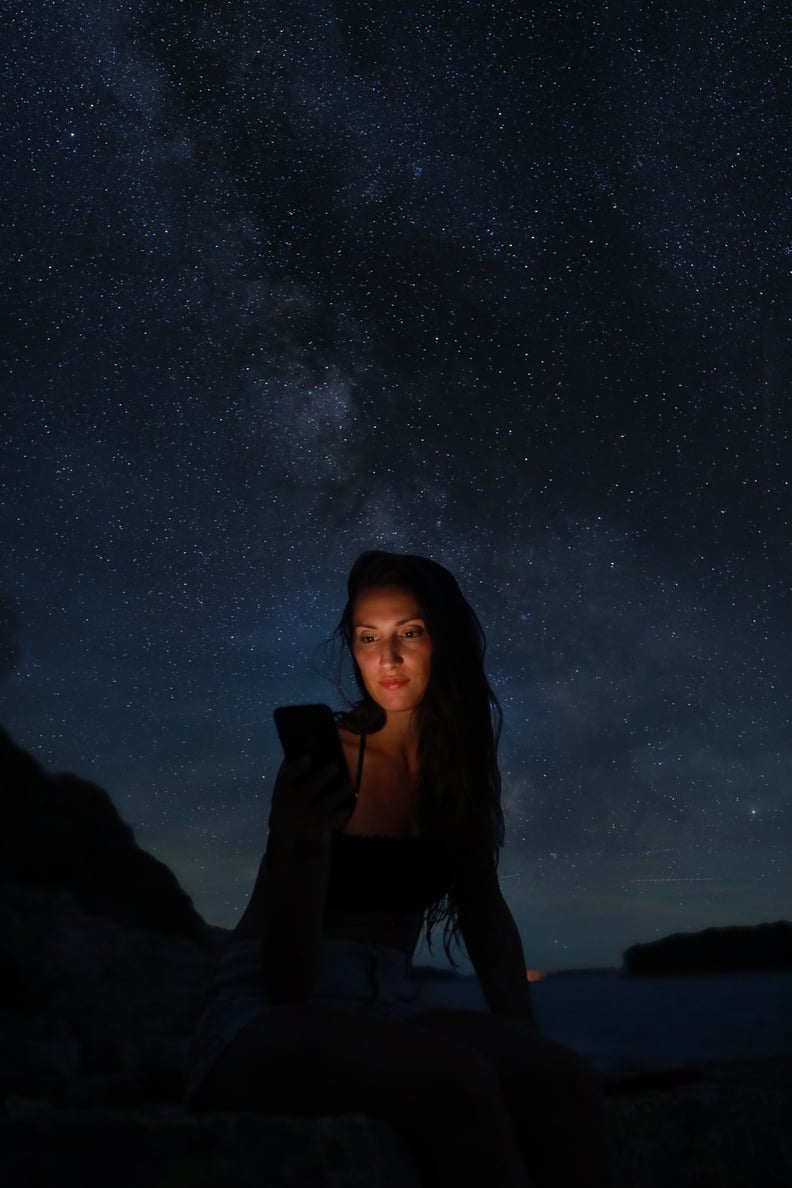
729 1130
104 966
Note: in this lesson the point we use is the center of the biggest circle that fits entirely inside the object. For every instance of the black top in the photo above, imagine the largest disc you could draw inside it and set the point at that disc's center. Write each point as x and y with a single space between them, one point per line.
372 872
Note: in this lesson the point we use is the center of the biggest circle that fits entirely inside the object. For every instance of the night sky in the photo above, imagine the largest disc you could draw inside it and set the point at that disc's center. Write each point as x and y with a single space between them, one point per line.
512 290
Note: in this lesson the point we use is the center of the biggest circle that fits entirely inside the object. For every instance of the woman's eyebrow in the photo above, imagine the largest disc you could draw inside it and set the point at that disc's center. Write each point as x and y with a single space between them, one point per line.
398 623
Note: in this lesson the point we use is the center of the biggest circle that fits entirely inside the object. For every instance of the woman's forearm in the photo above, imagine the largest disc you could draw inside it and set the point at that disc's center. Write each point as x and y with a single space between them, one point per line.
504 978
297 877
494 946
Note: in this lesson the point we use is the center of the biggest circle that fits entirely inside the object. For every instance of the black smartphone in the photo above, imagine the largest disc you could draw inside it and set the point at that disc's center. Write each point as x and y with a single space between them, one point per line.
311 730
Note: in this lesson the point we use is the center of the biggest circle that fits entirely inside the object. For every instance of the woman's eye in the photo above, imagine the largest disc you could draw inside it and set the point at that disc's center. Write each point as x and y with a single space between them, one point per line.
413 632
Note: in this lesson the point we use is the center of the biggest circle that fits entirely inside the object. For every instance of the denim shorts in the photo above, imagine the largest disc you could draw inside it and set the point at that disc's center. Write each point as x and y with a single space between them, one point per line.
372 980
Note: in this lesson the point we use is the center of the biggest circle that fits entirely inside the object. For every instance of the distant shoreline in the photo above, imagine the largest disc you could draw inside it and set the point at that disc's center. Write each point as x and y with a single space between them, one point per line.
436 974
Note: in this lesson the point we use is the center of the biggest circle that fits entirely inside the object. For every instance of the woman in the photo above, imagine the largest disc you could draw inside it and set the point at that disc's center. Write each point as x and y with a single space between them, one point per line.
314 1008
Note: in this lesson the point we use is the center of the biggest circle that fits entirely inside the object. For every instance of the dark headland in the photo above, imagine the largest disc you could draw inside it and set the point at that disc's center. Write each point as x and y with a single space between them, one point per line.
759 948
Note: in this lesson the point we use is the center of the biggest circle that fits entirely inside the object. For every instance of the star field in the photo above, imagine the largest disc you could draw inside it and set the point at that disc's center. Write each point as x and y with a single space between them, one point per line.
509 289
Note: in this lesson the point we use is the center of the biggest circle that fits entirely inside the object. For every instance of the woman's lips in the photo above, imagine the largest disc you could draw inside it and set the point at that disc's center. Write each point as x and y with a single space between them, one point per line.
393 682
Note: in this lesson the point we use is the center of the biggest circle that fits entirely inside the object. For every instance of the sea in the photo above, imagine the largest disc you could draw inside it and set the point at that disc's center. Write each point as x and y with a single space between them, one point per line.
626 1025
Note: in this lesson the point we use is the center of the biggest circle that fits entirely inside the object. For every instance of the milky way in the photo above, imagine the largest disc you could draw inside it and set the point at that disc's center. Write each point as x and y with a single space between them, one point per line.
510 290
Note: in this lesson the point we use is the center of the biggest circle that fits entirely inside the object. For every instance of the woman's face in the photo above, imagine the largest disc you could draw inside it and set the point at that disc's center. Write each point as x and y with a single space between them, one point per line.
392 647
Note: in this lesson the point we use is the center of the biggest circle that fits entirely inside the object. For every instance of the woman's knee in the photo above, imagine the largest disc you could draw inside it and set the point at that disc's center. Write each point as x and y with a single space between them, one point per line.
573 1074
464 1081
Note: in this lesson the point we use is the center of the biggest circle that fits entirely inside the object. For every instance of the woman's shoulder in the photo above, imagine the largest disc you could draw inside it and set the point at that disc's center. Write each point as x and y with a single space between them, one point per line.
353 731
350 738
347 722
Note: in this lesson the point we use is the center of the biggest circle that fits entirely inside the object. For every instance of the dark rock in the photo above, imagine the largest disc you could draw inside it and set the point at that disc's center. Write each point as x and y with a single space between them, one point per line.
164 1147
65 833
762 947
729 1129
89 997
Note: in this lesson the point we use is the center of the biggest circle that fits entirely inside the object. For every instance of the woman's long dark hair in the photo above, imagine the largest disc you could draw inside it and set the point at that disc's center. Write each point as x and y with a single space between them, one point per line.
459 718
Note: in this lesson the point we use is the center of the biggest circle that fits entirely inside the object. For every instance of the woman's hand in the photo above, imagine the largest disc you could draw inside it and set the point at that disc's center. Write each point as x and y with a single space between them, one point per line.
307 805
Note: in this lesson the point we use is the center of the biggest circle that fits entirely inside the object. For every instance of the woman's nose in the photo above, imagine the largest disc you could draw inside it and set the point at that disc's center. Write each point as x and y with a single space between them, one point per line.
389 654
